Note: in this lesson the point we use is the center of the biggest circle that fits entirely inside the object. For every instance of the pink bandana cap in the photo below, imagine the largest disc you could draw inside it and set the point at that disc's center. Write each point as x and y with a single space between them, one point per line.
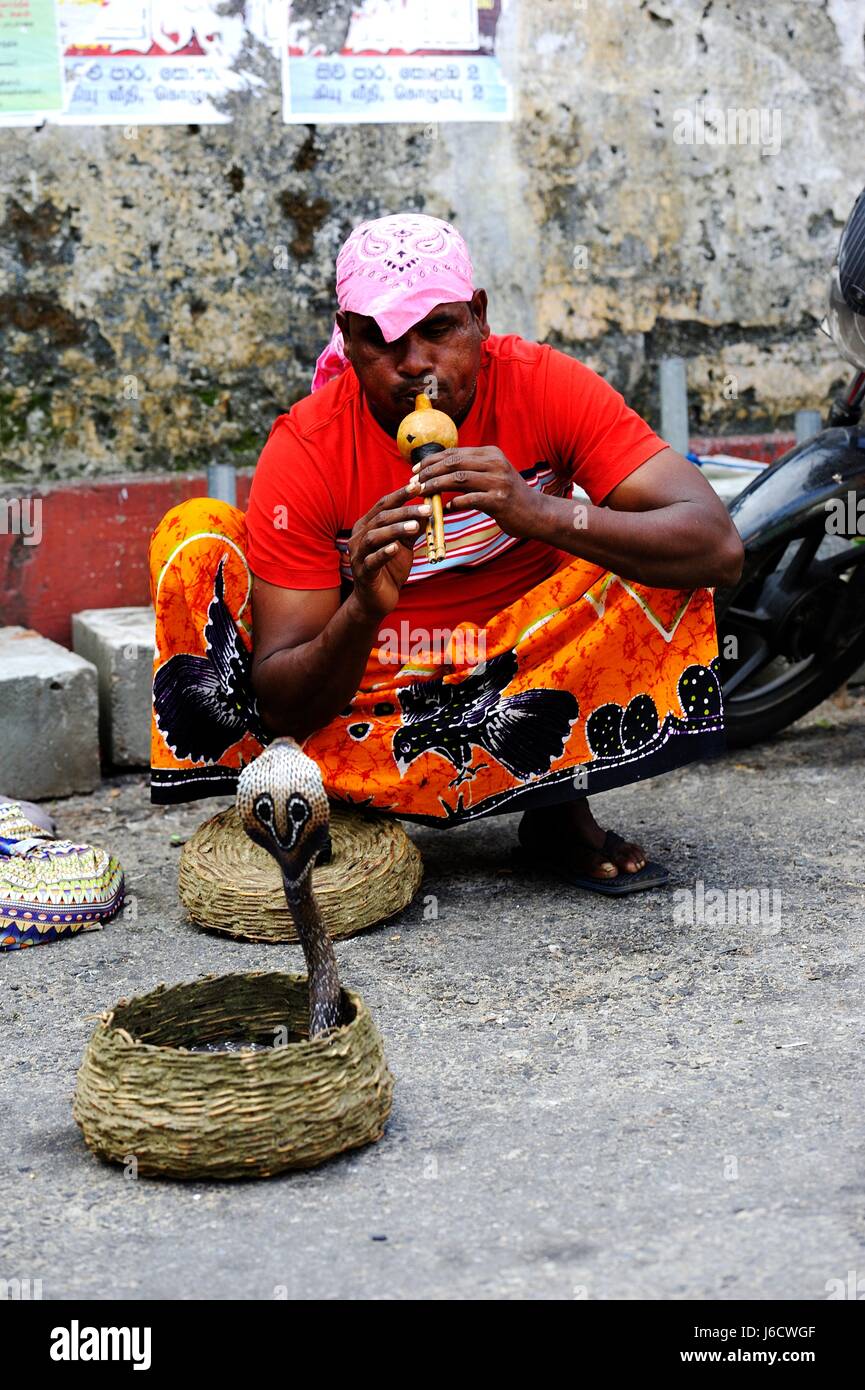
396 269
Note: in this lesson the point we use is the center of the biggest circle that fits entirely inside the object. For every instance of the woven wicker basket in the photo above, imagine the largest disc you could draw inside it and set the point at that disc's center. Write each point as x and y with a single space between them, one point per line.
233 886
141 1095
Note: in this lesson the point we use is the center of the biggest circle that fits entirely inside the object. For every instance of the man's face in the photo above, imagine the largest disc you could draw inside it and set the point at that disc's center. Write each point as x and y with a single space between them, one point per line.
440 355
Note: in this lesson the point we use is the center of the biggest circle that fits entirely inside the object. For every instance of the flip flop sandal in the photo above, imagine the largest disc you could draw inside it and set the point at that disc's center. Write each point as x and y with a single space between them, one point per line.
652 875
51 888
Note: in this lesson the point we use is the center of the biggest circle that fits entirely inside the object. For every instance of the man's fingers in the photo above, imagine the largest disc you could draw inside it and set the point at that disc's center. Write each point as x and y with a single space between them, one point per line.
457 481
480 501
405 532
379 558
477 459
418 510
392 501
385 540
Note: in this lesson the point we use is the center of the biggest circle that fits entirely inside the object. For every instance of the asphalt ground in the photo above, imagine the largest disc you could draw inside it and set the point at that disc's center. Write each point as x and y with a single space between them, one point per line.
594 1099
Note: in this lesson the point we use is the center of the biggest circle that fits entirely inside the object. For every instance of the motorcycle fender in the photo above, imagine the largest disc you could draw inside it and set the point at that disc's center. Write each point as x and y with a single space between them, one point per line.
795 490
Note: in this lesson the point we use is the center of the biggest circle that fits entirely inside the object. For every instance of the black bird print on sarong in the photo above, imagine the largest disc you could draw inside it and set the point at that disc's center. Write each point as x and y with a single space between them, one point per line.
525 732
204 704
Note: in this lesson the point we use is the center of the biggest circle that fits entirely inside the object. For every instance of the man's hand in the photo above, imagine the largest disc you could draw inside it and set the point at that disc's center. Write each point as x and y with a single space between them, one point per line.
483 479
381 550
310 649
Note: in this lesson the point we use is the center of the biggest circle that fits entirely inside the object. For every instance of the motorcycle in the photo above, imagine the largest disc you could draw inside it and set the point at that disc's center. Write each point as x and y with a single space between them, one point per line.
792 630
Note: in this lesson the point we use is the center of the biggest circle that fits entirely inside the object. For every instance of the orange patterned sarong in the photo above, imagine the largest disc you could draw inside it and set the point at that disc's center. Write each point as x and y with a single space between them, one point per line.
584 683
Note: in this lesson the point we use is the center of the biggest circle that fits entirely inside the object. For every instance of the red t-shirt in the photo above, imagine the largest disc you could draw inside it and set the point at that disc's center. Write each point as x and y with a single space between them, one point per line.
328 461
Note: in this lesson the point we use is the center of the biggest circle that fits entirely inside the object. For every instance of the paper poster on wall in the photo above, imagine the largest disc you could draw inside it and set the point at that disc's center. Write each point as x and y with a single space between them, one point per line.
131 62
401 60
156 62
30 68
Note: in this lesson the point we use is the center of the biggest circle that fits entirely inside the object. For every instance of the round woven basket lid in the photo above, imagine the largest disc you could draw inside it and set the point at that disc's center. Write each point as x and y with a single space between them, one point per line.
231 885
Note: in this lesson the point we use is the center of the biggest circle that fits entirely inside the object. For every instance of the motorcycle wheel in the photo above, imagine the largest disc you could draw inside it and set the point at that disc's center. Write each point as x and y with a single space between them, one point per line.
790 634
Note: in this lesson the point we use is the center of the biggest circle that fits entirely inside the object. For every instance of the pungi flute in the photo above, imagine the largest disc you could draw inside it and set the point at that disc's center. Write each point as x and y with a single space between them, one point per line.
427 431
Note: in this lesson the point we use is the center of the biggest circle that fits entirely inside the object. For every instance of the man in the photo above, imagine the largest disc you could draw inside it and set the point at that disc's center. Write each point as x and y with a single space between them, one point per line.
566 644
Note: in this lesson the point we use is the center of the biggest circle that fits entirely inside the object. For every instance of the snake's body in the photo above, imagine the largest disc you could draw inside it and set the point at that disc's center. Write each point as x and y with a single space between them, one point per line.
284 808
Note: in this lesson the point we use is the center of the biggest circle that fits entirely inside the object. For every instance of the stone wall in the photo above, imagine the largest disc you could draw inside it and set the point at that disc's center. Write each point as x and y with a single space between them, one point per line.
165 290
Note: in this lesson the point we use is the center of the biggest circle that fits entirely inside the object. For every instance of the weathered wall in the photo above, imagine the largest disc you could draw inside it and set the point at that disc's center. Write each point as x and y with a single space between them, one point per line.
164 297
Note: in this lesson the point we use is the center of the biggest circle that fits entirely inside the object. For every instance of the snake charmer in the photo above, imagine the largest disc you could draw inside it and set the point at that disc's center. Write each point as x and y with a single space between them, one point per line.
564 645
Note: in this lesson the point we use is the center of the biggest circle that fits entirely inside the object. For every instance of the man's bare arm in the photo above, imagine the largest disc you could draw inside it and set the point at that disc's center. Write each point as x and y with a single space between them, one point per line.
310 654
662 526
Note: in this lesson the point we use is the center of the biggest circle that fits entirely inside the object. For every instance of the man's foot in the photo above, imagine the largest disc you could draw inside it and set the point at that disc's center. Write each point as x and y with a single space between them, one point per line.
572 831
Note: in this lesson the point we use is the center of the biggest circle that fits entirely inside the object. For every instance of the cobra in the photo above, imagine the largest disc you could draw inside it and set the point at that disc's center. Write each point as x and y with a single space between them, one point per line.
283 807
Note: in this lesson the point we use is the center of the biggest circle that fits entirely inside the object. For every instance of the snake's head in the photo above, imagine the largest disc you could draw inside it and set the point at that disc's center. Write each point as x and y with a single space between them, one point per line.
283 807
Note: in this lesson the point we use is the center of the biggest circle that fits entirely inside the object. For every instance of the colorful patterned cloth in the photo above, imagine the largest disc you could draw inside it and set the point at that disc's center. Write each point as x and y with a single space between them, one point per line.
586 682
51 888
396 269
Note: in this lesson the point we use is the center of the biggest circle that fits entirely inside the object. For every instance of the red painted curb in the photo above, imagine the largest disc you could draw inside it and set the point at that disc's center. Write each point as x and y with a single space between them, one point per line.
765 448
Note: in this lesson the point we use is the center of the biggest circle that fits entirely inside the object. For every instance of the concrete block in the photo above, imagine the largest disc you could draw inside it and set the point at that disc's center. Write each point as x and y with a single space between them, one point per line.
120 643
49 718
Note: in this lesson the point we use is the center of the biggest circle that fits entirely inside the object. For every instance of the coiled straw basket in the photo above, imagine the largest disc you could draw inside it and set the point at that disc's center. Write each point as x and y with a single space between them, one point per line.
232 885
142 1095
